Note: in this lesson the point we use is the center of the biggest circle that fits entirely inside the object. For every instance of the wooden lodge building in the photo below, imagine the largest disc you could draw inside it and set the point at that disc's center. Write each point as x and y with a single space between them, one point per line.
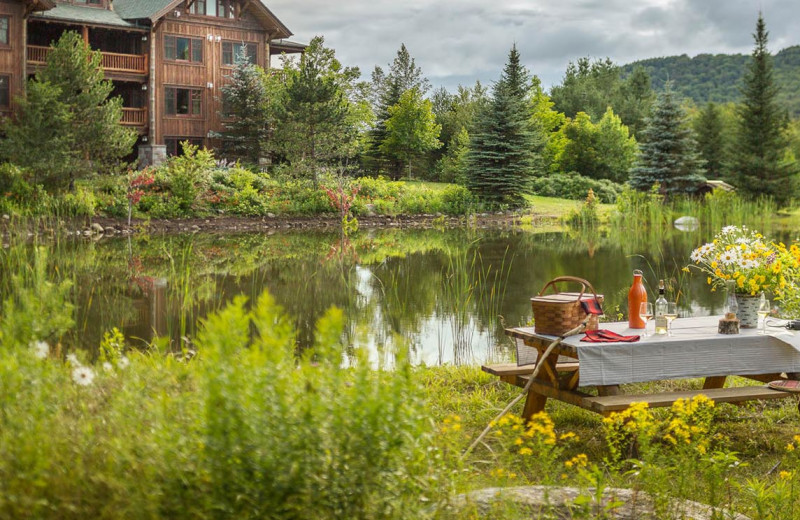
167 59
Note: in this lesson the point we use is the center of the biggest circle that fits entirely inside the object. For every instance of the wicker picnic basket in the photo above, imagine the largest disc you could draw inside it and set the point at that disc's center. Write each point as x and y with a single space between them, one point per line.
557 313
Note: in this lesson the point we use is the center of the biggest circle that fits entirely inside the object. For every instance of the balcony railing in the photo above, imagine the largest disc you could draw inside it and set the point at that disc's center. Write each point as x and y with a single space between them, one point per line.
134 116
110 61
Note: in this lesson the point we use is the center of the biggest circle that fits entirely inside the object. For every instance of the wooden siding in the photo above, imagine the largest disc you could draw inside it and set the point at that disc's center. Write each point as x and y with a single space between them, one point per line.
12 56
208 76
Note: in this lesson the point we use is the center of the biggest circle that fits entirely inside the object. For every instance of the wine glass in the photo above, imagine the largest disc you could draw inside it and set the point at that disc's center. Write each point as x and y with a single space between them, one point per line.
646 313
763 311
670 315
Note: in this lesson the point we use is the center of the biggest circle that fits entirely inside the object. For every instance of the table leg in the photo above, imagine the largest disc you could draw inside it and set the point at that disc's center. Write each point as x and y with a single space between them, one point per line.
534 403
608 390
714 382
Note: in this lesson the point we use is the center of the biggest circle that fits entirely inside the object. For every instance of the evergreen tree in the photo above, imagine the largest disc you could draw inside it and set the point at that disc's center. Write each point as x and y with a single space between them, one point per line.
761 165
76 103
404 74
316 120
708 127
411 128
246 99
505 148
668 155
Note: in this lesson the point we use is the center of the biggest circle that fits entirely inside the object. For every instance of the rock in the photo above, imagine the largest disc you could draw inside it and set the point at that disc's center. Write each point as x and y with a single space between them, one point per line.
195 228
687 224
559 502
270 215
87 233
97 228
6 217
370 208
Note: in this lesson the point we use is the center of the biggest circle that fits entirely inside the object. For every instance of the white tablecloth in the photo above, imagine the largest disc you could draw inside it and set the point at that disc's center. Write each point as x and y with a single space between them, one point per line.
695 350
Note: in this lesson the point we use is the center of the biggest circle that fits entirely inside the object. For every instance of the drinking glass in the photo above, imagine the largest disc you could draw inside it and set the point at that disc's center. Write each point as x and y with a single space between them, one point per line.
763 311
671 314
646 313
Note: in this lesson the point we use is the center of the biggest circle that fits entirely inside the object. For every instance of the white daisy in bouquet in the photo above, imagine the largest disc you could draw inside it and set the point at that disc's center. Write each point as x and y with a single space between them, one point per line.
744 256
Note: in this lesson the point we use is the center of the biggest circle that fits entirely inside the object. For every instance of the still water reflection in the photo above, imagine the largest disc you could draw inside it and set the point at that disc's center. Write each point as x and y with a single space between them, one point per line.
445 295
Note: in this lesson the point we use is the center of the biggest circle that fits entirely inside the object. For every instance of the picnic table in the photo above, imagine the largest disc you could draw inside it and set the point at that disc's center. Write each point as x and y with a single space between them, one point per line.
589 375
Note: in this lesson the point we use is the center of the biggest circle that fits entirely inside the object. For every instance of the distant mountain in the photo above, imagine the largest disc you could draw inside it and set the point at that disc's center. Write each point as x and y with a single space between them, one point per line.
717 78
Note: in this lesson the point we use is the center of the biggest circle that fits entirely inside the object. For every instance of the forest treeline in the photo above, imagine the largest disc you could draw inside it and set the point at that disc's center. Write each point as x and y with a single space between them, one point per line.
316 119
717 77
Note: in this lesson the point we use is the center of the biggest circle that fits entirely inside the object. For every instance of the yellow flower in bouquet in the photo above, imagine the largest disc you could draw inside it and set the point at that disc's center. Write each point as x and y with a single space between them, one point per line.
745 257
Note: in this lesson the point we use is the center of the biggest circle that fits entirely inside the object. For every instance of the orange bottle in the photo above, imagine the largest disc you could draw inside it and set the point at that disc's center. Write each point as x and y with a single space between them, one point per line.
636 296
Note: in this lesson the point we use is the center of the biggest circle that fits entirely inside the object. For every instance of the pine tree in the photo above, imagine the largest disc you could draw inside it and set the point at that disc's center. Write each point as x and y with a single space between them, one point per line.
759 163
668 155
505 149
246 99
404 74
708 128
315 124
91 138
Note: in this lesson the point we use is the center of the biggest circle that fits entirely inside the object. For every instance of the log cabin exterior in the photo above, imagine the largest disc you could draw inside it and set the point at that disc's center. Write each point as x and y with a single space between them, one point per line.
167 59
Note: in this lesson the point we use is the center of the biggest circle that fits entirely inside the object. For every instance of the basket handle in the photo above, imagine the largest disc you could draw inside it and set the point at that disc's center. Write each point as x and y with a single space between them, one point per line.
584 283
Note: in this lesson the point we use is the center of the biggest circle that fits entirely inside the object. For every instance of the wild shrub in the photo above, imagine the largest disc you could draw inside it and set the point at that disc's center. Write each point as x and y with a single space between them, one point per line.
574 186
188 175
246 429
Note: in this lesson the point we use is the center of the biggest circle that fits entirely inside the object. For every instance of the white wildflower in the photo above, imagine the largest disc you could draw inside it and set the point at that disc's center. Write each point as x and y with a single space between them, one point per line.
73 360
108 367
742 240
729 229
706 248
729 257
123 362
696 256
747 263
83 376
40 349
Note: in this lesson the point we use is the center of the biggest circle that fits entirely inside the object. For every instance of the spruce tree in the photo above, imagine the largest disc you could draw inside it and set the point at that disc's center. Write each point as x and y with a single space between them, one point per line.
245 98
708 127
505 149
759 163
668 155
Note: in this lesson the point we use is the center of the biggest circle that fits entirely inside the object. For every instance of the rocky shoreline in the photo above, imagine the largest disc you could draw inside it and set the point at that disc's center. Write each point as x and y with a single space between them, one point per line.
103 226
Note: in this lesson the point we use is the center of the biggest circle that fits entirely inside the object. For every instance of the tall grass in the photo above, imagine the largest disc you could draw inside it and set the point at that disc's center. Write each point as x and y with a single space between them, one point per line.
648 215
244 430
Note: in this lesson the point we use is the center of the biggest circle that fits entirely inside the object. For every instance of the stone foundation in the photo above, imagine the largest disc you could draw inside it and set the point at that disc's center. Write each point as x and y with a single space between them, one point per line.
152 155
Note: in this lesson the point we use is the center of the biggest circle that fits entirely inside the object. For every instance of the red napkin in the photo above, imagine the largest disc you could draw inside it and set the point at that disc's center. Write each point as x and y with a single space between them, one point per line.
607 336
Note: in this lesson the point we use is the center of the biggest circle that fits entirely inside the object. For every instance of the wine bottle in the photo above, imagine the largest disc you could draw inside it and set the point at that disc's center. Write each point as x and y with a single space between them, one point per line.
661 310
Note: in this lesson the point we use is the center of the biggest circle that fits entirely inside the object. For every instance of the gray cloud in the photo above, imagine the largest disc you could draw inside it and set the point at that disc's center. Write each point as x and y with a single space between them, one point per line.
460 41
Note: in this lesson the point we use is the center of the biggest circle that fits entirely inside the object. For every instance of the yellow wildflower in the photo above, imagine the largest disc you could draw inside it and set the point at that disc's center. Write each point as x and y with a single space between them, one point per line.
785 475
526 451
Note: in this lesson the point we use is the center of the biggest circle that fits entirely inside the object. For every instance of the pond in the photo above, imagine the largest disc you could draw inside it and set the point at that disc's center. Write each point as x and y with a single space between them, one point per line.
444 295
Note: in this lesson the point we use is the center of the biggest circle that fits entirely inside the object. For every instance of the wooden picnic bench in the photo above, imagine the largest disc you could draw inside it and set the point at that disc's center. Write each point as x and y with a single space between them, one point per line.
560 379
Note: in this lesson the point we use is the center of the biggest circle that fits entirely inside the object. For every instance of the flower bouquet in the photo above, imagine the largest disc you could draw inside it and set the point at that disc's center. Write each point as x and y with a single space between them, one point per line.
745 257
749 264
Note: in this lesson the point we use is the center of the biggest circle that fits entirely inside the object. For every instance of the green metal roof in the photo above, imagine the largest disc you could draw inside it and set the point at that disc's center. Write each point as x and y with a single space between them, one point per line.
84 15
140 9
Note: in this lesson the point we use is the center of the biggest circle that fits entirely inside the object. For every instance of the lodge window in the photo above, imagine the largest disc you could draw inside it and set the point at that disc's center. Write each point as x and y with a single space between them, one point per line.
183 102
175 144
225 8
5 92
183 49
95 3
198 7
4 30
231 50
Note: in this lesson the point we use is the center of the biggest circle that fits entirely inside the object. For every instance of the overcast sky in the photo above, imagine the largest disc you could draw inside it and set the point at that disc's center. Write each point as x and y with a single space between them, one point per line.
459 41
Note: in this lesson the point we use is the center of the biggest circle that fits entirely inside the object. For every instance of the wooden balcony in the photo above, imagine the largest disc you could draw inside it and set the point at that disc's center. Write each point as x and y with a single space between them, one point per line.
111 62
134 116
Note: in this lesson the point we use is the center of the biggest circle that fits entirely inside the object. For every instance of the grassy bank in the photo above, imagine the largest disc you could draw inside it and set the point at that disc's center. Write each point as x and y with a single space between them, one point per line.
238 424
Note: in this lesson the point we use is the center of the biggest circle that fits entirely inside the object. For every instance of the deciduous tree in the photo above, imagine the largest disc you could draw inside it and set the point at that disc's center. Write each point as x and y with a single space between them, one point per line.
411 128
